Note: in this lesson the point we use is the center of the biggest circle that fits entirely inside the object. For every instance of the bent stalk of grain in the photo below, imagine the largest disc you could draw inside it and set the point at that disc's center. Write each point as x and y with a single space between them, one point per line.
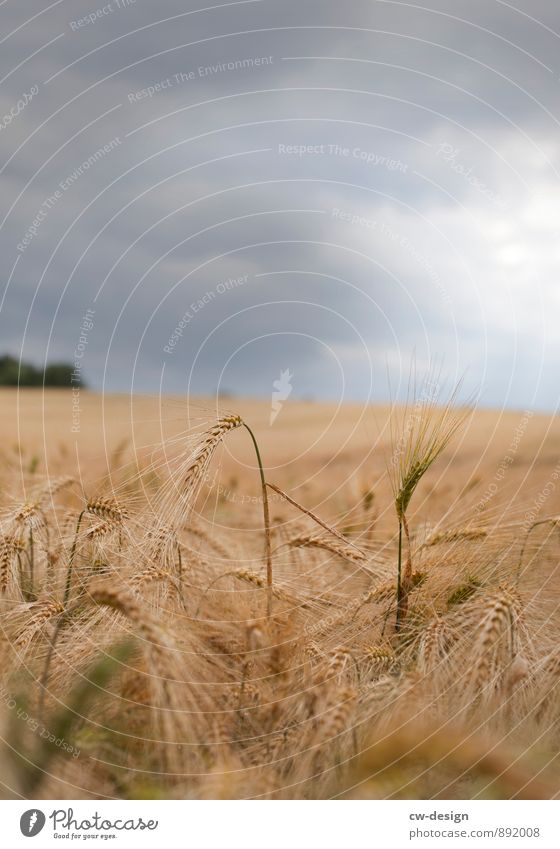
549 520
266 518
198 466
359 558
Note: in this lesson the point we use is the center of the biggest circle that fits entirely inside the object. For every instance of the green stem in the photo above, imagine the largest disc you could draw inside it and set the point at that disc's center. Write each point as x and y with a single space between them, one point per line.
407 578
179 566
266 516
88 687
399 580
31 560
71 561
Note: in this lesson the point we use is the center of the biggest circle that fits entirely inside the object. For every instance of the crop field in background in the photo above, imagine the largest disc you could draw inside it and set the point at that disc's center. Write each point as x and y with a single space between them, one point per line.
164 636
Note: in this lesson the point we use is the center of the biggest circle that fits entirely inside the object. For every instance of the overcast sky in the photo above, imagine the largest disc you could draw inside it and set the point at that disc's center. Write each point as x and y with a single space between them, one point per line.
228 192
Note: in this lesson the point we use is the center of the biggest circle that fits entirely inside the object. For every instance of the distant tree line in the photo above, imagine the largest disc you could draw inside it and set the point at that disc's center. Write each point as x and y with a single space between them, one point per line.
16 373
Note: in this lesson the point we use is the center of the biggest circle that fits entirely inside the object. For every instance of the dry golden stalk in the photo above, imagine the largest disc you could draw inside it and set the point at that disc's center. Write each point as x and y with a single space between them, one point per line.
360 555
499 618
334 619
101 529
380 657
212 438
266 519
256 580
548 520
108 509
160 535
379 653
433 646
253 579
124 602
10 547
26 512
336 720
105 508
195 476
456 535
342 549
39 613
248 577
339 661
340 713
379 693
387 591
161 547
152 573
160 542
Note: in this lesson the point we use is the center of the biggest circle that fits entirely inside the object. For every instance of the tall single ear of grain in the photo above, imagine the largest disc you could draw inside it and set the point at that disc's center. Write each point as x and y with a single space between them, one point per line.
418 439
178 497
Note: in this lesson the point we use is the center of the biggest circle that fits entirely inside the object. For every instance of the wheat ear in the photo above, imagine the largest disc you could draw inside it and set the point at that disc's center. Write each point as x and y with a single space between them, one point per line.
105 508
455 535
341 549
549 520
40 613
433 645
500 614
212 438
10 546
360 556
425 435
200 462
124 602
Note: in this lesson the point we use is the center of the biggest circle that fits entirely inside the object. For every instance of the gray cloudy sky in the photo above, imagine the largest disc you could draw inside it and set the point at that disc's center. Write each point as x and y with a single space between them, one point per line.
374 178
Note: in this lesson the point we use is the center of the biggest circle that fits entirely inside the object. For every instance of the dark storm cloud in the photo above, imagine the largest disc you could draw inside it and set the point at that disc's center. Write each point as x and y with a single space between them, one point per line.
382 177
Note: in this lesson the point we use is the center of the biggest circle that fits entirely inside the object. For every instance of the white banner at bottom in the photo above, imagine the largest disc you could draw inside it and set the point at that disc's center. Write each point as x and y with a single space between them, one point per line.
277 825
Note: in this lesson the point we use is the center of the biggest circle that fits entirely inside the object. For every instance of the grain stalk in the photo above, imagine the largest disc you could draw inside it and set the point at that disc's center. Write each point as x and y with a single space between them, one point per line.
199 465
359 554
549 520
266 519
106 509
425 433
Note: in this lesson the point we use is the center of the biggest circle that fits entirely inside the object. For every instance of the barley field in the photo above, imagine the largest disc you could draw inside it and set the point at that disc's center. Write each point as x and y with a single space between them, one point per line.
369 612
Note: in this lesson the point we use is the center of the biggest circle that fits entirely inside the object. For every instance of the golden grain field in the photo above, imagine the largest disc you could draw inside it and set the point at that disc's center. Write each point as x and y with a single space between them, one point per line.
157 643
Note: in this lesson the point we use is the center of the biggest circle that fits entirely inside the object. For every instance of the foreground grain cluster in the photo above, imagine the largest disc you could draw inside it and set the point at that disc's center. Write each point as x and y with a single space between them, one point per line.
157 643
